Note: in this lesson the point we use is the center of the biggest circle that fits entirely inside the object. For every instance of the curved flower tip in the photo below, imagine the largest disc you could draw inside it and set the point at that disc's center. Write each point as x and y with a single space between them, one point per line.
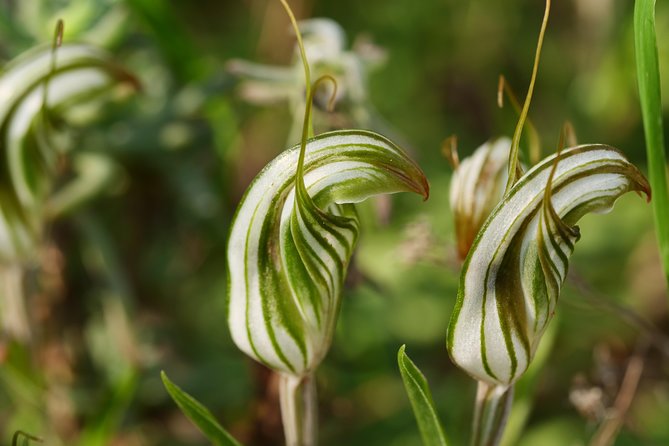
512 276
476 187
288 253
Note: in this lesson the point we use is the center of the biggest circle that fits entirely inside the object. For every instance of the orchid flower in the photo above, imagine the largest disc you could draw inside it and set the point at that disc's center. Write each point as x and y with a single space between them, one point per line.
477 186
292 239
35 89
516 241
324 44
512 275
290 244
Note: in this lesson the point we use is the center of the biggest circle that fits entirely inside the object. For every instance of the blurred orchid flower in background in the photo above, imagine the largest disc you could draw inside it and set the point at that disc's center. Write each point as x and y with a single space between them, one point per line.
325 48
38 92
477 185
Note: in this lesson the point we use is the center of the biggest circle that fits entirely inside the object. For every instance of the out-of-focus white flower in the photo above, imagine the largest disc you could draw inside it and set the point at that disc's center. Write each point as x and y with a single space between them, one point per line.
477 186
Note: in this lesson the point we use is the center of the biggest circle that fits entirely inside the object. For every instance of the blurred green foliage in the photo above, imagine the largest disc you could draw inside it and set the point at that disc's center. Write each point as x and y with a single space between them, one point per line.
133 282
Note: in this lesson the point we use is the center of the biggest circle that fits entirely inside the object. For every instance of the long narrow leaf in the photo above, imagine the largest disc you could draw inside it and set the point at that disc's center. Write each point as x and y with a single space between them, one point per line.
417 389
199 415
513 273
648 76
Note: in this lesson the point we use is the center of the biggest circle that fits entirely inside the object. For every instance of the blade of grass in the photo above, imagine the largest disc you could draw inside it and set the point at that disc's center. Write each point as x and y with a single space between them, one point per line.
420 396
199 415
648 76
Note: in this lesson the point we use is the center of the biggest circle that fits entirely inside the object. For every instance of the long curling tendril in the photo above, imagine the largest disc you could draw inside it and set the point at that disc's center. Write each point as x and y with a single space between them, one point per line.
515 144
303 56
55 44
534 141
299 179
19 434
548 192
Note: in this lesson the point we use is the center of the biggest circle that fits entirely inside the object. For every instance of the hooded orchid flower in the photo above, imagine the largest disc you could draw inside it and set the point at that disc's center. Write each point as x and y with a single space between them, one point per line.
325 47
292 238
290 244
512 276
36 91
514 270
477 186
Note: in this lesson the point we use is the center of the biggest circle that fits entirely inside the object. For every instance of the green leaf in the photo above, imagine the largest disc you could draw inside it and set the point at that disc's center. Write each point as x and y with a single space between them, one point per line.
511 278
420 397
199 415
648 75
292 238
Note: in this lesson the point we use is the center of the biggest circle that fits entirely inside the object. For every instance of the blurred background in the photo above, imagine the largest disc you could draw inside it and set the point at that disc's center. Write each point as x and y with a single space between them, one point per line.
132 281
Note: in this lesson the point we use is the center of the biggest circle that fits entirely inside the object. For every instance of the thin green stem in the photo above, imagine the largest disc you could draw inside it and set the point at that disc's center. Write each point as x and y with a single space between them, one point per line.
18 434
14 316
303 56
534 141
299 412
648 76
515 144
490 414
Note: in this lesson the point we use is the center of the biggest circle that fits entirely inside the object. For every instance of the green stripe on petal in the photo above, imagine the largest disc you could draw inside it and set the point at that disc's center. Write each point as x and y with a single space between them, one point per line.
289 246
512 276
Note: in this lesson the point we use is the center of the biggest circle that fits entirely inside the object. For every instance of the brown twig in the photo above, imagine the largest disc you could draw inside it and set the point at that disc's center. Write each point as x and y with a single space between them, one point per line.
608 430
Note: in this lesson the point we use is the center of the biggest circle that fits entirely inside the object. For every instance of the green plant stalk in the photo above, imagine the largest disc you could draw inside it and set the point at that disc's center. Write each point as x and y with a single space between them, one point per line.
299 410
13 312
491 412
525 388
648 76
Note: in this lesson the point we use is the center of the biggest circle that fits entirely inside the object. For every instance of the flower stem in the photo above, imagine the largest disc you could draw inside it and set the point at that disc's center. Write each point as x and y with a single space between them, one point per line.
299 412
12 303
490 413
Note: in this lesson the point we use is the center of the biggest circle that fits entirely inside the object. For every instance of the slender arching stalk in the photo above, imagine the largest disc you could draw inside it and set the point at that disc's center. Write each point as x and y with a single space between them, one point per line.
514 170
299 409
534 141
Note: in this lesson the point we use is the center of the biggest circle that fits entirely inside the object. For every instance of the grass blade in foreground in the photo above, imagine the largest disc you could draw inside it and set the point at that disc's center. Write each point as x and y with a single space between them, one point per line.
648 75
417 389
199 415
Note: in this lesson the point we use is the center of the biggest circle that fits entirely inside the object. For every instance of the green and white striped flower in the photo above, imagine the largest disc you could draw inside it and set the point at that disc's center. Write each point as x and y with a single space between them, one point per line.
29 153
292 238
477 186
512 276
